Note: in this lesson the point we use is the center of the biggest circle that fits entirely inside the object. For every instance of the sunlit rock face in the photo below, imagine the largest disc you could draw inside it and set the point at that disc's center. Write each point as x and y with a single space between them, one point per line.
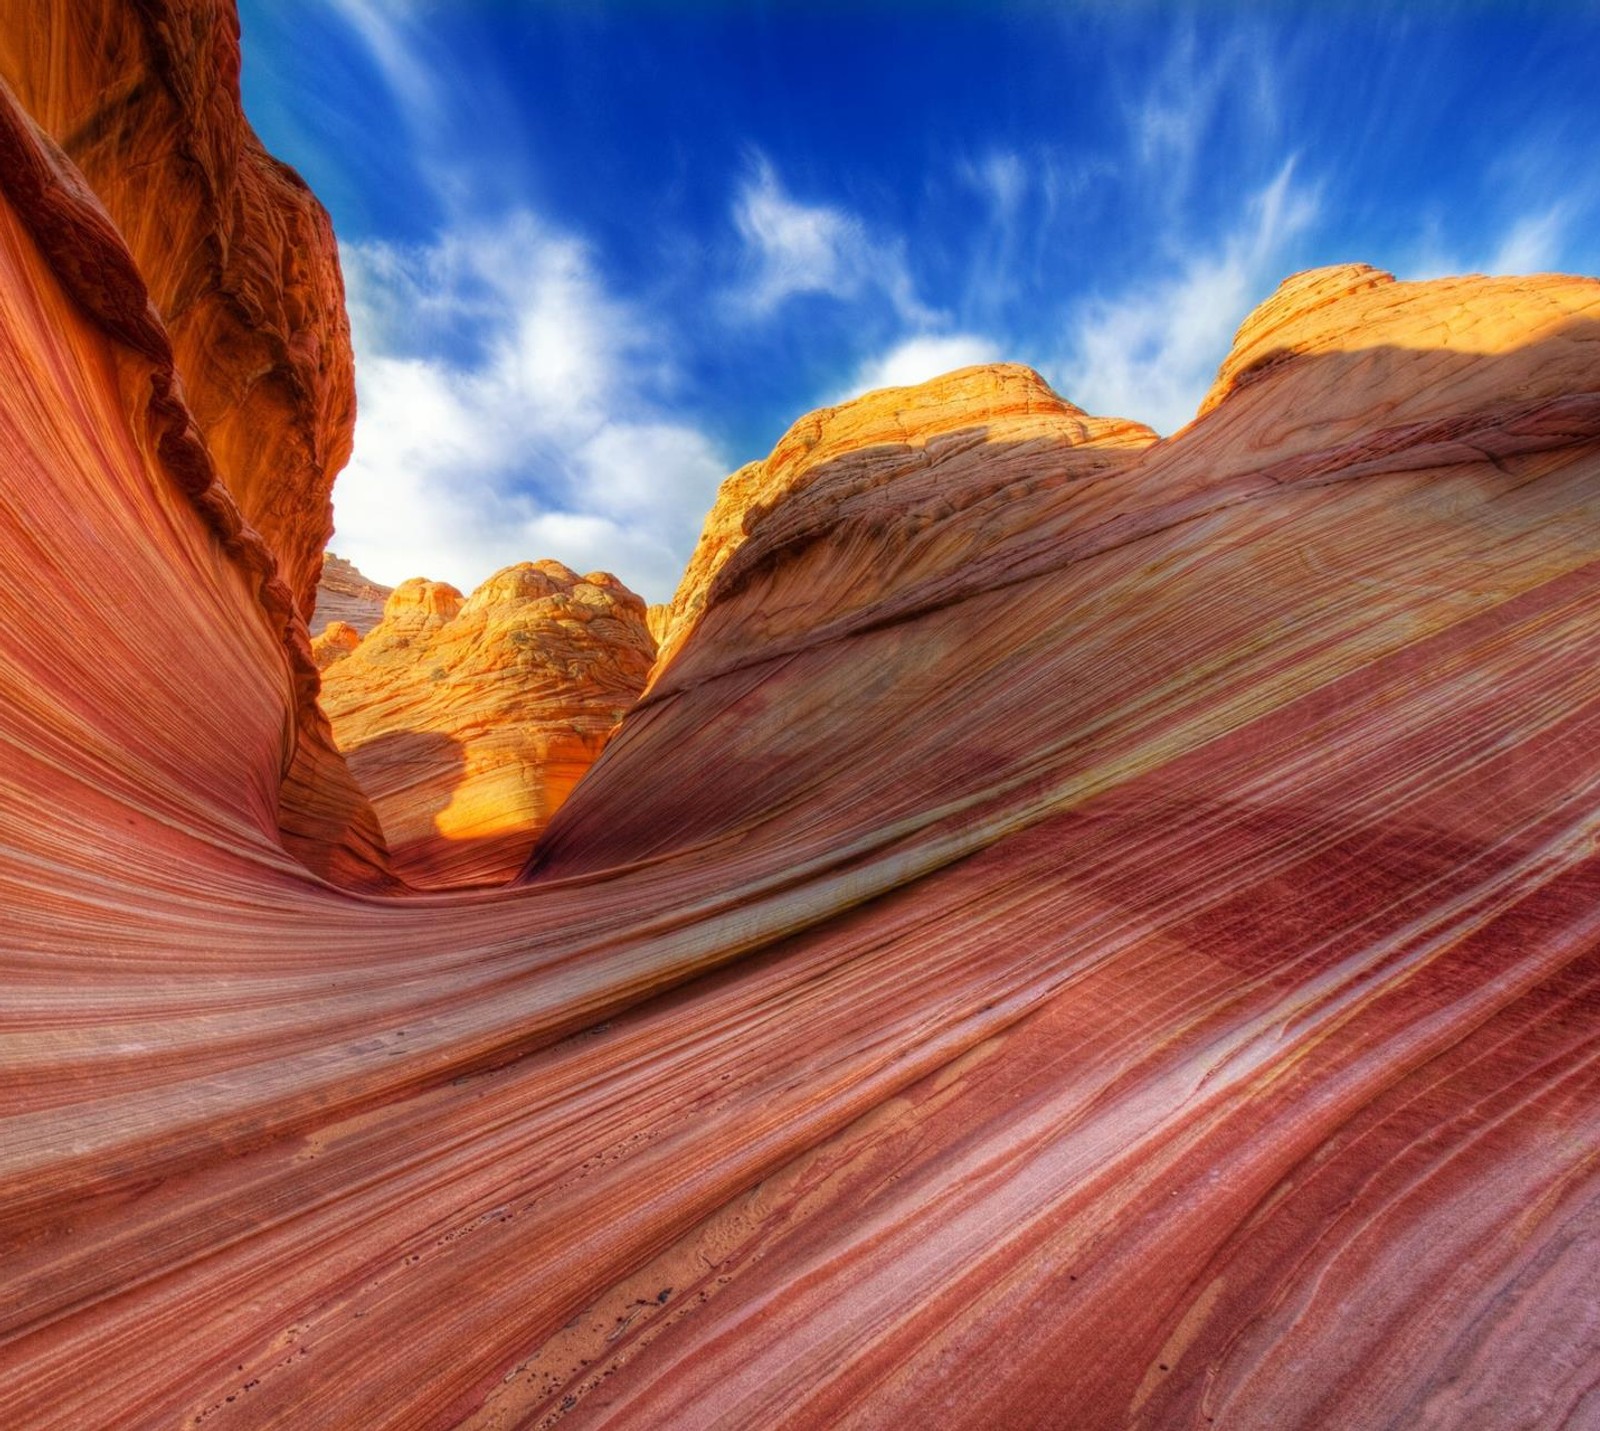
237 253
881 477
468 721
333 643
1080 931
238 260
347 597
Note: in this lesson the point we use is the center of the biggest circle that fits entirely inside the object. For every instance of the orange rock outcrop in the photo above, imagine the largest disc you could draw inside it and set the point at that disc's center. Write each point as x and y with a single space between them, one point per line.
238 260
236 252
1080 930
468 721
61 227
333 643
909 486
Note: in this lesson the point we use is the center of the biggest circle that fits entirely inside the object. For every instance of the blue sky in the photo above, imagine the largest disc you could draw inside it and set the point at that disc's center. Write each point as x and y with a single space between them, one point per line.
599 255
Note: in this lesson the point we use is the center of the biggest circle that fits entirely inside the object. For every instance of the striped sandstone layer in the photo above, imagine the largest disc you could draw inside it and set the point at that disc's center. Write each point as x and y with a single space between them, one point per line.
467 721
1080 930
237 260
346 596
237 254
131 417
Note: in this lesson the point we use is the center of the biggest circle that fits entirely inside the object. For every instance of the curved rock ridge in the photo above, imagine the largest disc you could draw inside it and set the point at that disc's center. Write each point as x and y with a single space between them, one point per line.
1113 946
70 266
883 472
468 721
346 597
238 255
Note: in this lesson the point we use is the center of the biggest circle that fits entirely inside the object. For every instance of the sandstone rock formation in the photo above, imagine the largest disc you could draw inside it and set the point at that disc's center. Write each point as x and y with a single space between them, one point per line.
346 597
468 722
333 643
237 254
1080 930
239 261
59 229
884 478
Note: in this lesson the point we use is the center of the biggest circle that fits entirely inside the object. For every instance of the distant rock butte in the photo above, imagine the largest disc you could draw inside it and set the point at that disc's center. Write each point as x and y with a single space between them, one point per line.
346 597
1079 931
333 643
468 721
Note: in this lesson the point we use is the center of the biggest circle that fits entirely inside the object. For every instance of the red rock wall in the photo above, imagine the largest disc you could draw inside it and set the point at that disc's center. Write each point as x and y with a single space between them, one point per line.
1083 931
102 306
239 262
237 254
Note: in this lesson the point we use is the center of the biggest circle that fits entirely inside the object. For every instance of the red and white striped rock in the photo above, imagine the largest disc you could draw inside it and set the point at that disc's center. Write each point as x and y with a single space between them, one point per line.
1079 931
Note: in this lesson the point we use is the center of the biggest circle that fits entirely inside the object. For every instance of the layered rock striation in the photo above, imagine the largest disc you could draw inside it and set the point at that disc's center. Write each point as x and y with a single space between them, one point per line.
346 597
237 261
237 254
467 721
1079 930
84 339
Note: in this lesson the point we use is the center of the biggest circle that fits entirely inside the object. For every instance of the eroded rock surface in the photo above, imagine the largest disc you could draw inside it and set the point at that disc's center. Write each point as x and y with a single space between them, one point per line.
238 260
1080 930
884 475
467 721
237 253
346 597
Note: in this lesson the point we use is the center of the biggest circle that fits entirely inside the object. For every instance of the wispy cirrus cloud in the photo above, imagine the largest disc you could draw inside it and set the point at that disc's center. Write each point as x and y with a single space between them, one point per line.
791 247
1541 241
1534 243
388 30
1173 115
1151 351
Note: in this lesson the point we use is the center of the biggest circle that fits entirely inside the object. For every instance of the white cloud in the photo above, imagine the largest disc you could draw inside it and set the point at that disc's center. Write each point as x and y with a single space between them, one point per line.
384 27
792 248
1533 244
917 359
798 248
505 397
1151 353
536 437
1001 176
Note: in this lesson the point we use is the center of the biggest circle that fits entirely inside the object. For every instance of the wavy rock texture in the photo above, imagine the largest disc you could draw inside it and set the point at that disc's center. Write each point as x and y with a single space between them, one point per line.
319 813
239 261
885 477
347 597
1081 932
238 255
468 722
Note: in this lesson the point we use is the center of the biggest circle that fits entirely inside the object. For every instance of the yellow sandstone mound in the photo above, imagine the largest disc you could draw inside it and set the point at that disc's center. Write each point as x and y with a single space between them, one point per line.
468 722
